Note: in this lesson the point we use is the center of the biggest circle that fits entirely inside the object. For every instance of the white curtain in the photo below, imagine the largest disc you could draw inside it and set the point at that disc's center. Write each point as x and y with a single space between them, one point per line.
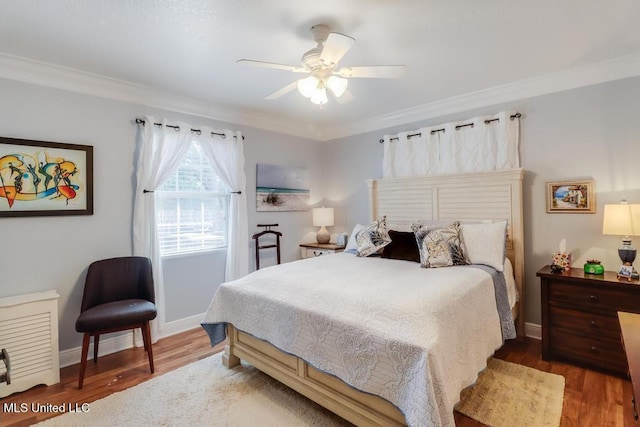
412 153
160 151
481 144
226 154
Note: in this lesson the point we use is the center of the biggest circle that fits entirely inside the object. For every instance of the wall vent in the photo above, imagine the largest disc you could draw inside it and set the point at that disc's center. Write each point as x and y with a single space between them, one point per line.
29 333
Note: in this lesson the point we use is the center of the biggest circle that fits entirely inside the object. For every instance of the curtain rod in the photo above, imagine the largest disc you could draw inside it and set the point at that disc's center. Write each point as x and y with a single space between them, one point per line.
177 128
486 122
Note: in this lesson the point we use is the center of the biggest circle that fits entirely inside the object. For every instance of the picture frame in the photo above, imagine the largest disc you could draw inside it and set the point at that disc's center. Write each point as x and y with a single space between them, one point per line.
281 188
42 178
571 196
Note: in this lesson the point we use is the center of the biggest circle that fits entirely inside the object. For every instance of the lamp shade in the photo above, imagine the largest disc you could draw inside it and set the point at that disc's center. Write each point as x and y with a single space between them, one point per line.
322 217
621 220
307 86
337 85
319 96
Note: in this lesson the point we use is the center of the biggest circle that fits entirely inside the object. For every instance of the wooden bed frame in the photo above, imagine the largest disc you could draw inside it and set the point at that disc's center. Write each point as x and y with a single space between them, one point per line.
479 196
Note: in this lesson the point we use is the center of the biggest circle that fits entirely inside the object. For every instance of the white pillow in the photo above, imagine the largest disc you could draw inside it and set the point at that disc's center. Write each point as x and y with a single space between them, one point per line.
352 245
485 243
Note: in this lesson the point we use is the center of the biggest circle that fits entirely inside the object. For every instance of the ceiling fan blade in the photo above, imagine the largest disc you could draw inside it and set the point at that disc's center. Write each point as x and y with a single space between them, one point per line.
288 88
335 47
375 71
271 65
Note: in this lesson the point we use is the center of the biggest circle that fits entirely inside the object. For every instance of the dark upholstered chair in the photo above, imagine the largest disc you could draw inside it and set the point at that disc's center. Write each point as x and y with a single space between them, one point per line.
118 295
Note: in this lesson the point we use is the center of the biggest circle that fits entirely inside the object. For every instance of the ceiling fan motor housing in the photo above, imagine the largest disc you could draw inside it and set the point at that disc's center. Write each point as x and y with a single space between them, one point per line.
311 58
320 33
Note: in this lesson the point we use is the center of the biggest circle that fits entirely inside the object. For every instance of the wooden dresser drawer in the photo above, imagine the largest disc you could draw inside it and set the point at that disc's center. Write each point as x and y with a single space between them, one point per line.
601 299
579 317
595 352
584 322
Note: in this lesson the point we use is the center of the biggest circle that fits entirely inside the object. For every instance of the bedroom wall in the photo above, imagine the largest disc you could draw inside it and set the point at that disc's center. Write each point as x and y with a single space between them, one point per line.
592 132
43 253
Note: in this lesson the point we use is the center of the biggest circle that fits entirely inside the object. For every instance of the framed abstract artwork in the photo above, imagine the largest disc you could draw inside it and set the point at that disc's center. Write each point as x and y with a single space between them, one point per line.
39 178
571 197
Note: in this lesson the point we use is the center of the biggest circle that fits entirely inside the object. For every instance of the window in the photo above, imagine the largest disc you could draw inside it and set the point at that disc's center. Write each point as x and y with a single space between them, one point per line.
192 207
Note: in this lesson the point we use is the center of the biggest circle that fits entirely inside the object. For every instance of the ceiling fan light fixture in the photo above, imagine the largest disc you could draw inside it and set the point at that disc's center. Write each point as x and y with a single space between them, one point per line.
307 86
338 85
319 96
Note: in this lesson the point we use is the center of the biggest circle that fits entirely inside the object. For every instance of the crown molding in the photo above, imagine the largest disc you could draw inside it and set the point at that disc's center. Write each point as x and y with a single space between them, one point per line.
46 74
615 69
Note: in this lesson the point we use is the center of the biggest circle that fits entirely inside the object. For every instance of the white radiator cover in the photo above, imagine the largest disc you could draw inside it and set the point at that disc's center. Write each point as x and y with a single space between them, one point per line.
29 333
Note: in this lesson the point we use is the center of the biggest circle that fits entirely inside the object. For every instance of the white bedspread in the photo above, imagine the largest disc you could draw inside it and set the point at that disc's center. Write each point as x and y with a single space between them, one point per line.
413 336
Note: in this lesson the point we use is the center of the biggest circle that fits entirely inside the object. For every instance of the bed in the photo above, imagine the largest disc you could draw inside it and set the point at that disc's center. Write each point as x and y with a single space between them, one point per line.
377 360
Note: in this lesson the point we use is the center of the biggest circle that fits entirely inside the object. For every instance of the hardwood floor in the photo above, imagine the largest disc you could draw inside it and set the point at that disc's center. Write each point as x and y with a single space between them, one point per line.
591 398
112 373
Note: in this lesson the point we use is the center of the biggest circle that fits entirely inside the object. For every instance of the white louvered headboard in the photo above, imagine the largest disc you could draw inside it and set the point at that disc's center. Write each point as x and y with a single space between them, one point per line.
467 197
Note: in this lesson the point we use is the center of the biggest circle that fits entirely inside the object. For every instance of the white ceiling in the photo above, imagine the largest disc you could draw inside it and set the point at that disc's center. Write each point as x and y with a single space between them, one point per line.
181 54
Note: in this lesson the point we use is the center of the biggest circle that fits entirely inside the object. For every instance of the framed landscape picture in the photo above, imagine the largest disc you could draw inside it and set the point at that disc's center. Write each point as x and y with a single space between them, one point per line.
281 188
39 178
571 197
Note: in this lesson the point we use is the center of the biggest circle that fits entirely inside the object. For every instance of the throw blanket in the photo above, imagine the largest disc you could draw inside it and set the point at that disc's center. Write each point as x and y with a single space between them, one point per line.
413 336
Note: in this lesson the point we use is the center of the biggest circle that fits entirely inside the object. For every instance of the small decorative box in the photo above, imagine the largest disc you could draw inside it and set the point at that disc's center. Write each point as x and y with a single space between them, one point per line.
562 259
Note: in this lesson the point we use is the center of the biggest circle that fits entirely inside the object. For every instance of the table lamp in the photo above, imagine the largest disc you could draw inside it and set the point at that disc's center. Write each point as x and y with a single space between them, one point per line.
623 220
323 217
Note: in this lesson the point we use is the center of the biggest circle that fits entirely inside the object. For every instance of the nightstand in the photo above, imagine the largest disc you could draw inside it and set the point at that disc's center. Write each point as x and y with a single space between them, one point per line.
310 250
579 317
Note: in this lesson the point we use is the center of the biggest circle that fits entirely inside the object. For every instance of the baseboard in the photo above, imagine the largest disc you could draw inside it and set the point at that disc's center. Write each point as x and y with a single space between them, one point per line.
107 346
122 342
533 330
181 325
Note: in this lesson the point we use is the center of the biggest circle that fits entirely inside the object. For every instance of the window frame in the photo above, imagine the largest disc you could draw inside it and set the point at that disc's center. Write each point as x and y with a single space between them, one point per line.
177 196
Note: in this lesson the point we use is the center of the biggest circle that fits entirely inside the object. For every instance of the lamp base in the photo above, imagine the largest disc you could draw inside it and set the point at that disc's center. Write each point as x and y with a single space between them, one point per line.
323 235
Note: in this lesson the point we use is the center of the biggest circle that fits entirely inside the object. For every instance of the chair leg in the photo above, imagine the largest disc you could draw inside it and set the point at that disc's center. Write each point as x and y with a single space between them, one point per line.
96 340
83 361
146 338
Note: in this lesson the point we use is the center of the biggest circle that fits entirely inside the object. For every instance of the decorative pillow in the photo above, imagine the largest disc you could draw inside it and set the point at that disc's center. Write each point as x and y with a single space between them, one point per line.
352 245
403 246
373 238
485 243
440 246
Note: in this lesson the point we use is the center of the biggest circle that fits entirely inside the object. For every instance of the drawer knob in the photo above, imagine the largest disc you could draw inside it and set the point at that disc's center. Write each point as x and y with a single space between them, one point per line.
594 324
594 348
593 297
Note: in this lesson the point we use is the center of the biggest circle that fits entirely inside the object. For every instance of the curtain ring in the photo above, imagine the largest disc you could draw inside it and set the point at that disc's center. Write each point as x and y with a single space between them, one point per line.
198 132
224 136
176 128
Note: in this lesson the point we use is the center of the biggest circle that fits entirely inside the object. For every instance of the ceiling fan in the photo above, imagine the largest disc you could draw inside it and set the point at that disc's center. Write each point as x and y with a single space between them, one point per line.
321 64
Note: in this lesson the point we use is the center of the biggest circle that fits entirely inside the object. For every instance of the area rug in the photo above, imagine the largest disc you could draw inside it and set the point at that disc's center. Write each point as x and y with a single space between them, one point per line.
206 393
203 393
507 394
